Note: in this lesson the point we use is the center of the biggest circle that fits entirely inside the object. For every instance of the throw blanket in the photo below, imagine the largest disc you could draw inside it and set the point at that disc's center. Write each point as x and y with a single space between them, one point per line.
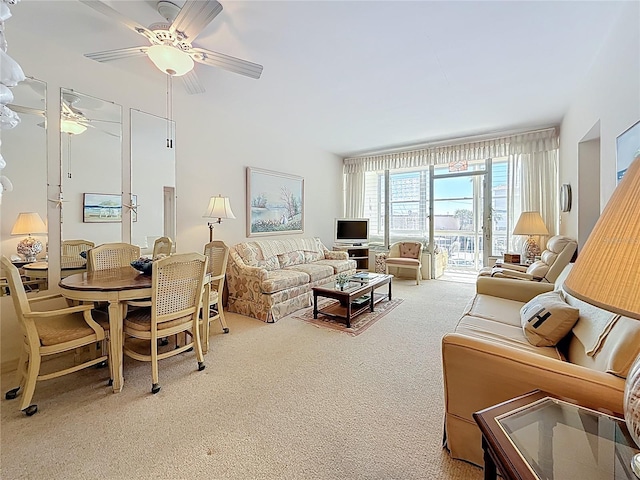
593 326
271 248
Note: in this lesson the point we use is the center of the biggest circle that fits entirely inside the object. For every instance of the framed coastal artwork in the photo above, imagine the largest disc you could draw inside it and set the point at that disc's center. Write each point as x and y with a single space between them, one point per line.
102 208
275 203
627 148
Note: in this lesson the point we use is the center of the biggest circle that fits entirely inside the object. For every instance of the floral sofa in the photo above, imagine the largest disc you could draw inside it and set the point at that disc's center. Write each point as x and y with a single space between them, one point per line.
273 278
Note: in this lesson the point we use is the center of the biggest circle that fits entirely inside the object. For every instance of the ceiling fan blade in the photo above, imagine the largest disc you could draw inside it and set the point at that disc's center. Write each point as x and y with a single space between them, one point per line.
192 83
114 14
109 55
227 62
194 16
26 110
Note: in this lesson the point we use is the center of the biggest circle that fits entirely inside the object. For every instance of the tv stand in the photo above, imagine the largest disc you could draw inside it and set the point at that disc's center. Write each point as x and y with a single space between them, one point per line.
359 253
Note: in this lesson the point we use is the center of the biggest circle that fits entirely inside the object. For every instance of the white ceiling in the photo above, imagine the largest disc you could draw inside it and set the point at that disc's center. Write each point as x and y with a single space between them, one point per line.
352 77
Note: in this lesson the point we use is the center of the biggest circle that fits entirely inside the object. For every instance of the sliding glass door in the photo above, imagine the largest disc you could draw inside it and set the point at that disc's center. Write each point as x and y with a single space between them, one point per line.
458 215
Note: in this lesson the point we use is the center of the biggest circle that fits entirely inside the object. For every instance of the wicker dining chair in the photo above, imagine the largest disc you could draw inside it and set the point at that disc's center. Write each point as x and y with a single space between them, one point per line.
218 253
73 248
162 246
47 333
176 293
112 255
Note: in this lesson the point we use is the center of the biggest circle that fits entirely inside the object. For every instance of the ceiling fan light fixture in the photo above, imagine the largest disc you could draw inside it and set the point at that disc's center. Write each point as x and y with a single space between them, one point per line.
170 60
72 127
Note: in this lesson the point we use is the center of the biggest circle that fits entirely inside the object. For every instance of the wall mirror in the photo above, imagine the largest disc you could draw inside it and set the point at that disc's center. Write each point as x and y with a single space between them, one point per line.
91 156
24 149
153 181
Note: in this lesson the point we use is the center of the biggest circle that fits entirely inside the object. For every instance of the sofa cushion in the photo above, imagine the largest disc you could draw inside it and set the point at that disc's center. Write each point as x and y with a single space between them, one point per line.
502 333
338 266
617 350
547 318
495 308
313 256
316 272
280 279
291 258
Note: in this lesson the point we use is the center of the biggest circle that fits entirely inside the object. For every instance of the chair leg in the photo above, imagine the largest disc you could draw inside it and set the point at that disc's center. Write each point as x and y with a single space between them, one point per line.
418 276
198 346
223 321
32 377
22 377
155 387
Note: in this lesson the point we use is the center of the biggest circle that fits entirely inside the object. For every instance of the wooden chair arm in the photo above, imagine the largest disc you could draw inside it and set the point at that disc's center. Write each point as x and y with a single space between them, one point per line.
59 312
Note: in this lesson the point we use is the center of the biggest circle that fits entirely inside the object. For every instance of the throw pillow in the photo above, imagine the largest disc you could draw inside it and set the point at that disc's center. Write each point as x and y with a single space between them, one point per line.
291 258
547 318
312 256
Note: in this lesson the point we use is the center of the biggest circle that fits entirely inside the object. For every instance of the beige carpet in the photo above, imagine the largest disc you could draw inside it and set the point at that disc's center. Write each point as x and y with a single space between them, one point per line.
276 401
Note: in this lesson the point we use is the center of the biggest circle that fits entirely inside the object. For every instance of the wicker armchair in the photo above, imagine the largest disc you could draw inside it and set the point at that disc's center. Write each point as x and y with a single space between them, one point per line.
47 333
176 299
218 253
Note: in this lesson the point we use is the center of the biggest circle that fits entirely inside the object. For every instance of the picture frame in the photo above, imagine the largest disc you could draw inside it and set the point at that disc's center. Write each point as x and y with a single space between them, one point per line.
275 203
627 148
101 208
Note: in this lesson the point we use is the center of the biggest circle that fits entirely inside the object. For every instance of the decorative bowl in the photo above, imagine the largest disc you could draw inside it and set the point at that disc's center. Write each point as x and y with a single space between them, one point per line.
143 265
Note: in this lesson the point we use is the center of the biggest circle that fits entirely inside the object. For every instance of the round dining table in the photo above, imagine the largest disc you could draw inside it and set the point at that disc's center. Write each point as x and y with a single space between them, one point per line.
115 286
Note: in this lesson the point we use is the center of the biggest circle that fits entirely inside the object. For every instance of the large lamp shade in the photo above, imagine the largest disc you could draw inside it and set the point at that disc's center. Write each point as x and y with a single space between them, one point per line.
530 224
607 274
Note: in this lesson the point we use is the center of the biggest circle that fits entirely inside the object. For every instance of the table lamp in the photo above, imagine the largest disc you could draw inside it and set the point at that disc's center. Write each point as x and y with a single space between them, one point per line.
29 223
530 223
607 274
219 207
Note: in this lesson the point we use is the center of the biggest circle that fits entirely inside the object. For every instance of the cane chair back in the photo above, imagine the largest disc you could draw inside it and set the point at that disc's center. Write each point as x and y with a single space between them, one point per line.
218 254
176 300
47 333
73 248
112 255
162 246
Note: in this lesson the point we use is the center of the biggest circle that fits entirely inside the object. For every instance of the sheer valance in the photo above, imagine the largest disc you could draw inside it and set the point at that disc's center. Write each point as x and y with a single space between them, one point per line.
523 143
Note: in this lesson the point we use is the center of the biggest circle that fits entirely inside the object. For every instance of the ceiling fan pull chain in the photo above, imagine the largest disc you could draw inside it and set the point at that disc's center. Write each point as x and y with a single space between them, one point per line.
68 155
169 110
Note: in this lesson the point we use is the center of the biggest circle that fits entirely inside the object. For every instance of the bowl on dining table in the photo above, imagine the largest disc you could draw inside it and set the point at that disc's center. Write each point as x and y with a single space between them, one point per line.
143 265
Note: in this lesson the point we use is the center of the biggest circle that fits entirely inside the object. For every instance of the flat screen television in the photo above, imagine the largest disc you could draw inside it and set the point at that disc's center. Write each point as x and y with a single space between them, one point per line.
354 231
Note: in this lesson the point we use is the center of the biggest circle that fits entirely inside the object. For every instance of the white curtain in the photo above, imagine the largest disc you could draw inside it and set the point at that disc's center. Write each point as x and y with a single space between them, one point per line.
354 195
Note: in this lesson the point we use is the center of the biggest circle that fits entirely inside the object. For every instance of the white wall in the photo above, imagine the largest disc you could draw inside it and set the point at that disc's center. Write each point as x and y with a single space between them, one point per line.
213 148
609 94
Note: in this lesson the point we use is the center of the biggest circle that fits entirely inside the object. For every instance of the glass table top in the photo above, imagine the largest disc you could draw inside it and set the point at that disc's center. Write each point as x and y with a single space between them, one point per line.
564 441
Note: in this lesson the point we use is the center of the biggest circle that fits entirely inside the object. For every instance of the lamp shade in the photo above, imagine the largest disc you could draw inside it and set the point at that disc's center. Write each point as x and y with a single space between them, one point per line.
170 60
219 207
607 271
530 223
29 223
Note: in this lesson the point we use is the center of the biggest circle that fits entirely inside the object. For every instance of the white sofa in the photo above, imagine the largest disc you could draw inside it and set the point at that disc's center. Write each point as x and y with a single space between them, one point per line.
488 358
272 278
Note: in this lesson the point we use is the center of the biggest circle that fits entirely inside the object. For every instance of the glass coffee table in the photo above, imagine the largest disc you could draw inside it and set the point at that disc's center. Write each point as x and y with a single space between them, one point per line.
357 296
539 436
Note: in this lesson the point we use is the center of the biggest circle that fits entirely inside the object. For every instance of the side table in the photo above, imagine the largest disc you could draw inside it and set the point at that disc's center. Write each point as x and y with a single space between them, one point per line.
540 436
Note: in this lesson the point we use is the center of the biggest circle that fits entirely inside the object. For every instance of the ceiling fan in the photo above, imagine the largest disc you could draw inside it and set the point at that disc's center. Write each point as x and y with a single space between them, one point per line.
171 48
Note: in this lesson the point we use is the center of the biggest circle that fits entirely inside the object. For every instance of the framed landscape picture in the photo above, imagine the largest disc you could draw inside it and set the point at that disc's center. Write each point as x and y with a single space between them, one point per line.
627 148
102 208
275 203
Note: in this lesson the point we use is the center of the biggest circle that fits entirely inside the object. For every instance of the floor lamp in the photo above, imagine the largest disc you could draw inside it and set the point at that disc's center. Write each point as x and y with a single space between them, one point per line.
607 274
218 208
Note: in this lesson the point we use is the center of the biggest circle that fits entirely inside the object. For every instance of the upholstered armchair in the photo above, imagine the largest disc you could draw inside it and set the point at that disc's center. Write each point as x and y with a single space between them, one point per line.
406 255
554 258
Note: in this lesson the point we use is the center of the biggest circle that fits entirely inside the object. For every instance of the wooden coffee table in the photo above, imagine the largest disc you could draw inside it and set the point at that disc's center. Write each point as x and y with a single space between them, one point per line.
356 297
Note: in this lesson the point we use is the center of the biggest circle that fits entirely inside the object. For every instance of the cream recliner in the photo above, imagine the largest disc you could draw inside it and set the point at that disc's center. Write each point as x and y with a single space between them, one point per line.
554 258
